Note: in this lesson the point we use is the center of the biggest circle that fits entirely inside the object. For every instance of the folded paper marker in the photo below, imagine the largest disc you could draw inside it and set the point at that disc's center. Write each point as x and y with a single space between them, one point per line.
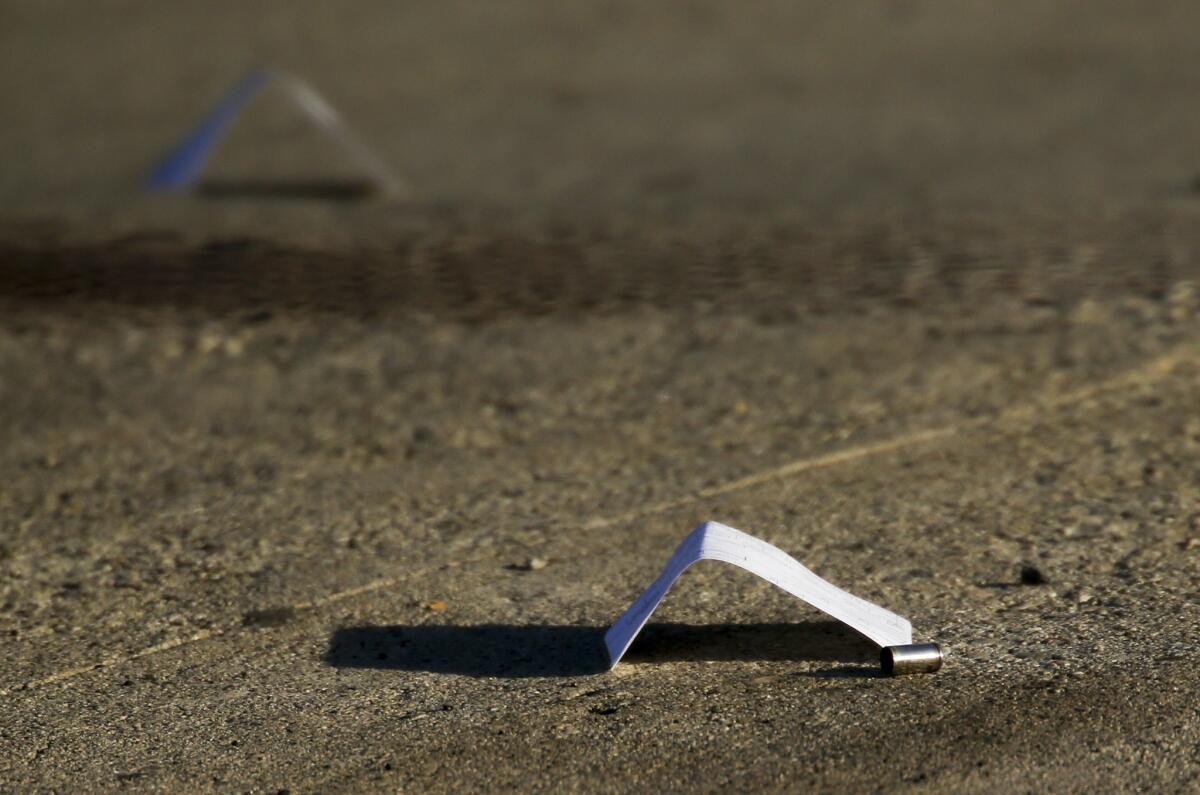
181 167
715 541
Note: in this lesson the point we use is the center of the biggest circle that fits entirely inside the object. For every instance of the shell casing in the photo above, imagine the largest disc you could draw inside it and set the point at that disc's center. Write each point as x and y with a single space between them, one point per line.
916 658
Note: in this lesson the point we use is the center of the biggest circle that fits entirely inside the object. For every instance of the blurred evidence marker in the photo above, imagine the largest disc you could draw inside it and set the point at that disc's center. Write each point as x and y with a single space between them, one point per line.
181 167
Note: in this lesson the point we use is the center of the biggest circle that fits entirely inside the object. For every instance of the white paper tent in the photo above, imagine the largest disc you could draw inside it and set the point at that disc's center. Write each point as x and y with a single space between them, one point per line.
181 167
716 541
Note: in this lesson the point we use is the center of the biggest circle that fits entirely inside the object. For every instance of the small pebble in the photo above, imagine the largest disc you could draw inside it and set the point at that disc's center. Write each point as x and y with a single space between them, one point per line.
435 606
1032 575
532 564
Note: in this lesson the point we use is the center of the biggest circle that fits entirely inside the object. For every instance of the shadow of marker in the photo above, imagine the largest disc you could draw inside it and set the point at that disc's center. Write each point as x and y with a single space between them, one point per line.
286 190
509 651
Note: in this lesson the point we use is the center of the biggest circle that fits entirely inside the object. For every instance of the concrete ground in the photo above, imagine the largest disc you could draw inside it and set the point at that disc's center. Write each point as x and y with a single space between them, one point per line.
908 289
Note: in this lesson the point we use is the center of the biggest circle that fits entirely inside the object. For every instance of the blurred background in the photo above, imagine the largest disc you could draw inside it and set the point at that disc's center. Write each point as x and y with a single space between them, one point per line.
602 104
544 131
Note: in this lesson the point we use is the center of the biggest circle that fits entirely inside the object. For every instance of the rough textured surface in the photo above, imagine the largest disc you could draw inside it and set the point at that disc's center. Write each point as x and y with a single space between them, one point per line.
313 494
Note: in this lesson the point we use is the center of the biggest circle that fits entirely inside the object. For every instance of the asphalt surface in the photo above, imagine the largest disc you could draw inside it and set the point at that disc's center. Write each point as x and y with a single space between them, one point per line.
909 290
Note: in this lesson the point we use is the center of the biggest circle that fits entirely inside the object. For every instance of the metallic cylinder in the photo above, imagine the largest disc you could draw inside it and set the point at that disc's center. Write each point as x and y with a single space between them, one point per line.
918 658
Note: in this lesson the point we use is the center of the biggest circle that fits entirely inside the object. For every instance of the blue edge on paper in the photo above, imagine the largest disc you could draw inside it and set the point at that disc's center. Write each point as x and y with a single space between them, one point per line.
179 169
